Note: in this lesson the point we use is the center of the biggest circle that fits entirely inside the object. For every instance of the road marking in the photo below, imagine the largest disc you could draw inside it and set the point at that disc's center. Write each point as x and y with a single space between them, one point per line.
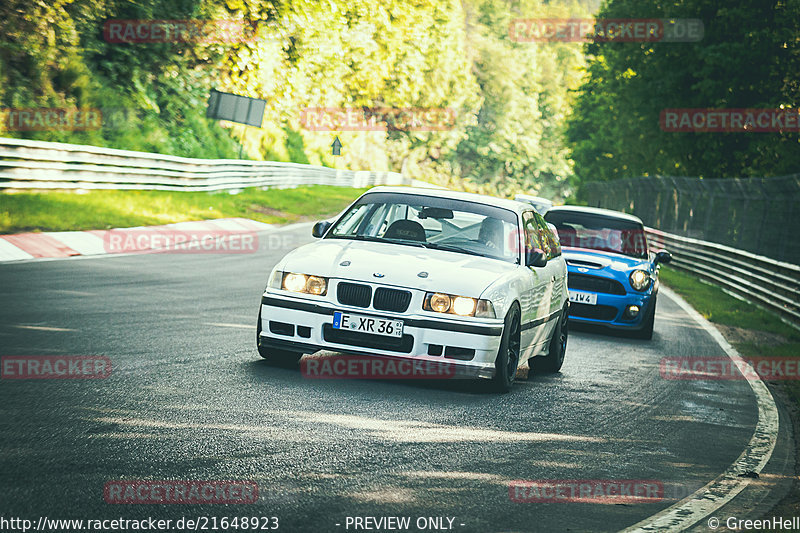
42 328
755 456
83 242
224 325
51 246
40 245
9 252
73 293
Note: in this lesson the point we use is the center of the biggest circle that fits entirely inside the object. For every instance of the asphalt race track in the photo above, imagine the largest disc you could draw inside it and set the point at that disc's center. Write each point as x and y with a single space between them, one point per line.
190 399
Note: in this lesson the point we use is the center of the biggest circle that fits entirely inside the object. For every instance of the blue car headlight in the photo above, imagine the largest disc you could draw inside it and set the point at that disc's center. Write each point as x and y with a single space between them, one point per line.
640 280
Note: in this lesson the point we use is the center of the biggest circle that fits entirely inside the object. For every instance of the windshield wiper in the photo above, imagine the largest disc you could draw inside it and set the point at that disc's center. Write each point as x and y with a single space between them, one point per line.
418 244
457 249
369 238
357 238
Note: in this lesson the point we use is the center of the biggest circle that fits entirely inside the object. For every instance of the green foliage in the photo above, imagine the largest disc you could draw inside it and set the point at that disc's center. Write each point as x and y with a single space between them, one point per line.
152 97
748 58
514 143
295 146
509 99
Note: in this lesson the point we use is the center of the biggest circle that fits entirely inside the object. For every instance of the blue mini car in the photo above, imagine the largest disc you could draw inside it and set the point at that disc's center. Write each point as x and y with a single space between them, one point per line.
612 276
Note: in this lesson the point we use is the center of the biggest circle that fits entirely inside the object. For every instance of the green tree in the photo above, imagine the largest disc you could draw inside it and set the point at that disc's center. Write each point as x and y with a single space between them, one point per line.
748 58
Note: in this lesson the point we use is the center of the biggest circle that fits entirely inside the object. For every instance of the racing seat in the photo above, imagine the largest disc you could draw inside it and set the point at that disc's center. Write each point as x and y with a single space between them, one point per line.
408 230
491 233
568 235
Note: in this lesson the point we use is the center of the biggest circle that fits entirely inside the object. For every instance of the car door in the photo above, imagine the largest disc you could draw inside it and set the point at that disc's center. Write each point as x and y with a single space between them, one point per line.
560 290
553 279
534 299
556 272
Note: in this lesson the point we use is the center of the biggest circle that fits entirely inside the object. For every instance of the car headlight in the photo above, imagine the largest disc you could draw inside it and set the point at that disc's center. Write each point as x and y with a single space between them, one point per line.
458 305
438 302
464 306
640 279
275 281
305 283
294 282
317 285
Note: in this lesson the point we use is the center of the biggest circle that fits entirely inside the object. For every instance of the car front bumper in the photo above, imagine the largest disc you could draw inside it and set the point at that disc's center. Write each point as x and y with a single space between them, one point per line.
469 347
610 311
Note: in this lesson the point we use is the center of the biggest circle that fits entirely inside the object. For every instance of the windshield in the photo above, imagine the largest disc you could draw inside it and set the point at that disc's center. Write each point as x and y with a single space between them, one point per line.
597 232
429 222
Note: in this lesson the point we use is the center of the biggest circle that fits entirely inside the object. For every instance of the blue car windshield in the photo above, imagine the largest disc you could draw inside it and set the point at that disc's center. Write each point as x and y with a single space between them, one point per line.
598 232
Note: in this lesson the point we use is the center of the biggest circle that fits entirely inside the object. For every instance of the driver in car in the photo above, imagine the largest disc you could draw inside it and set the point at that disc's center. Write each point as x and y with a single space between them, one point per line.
491 233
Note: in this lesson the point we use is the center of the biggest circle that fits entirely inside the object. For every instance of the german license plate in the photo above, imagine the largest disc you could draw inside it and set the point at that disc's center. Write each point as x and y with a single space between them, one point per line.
589 298
388 327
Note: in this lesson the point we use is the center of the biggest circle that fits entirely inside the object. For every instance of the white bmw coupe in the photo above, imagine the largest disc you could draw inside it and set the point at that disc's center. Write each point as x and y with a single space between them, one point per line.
424 275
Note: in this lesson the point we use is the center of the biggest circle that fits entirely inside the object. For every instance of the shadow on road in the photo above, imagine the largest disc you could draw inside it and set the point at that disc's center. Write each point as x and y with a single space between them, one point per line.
291 375
606 332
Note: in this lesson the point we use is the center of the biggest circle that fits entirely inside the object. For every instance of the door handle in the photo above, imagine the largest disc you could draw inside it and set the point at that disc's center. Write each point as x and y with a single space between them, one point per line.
552 278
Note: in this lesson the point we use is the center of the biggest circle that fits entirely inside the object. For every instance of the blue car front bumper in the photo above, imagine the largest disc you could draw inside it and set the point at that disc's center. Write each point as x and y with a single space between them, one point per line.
610 309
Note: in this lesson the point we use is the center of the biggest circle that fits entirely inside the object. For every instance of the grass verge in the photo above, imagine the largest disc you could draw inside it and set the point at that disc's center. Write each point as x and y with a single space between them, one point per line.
73 211
722 308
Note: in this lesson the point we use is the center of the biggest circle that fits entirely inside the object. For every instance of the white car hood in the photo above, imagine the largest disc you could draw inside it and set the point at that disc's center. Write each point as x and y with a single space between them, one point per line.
449 272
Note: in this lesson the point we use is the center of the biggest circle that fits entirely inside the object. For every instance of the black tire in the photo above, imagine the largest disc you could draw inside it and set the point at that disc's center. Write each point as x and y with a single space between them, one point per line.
551 363
646 333
278 357
508 353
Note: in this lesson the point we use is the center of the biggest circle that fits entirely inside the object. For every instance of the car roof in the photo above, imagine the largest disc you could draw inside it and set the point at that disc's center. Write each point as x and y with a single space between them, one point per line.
595 211
512 205
529 197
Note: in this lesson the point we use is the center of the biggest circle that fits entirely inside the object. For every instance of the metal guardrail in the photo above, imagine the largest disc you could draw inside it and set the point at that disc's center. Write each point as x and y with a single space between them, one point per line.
743 213
769 283
26 164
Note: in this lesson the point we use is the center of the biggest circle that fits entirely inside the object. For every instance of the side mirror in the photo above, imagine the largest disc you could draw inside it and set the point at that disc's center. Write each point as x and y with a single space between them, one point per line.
535 257
663 256
320 228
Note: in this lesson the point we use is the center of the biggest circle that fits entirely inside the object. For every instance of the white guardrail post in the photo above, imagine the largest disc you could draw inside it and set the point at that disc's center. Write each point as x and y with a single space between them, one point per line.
769 283
26 164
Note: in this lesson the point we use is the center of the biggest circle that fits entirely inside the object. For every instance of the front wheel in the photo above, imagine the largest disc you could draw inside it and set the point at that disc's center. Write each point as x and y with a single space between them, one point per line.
551 363
508 354
648 323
